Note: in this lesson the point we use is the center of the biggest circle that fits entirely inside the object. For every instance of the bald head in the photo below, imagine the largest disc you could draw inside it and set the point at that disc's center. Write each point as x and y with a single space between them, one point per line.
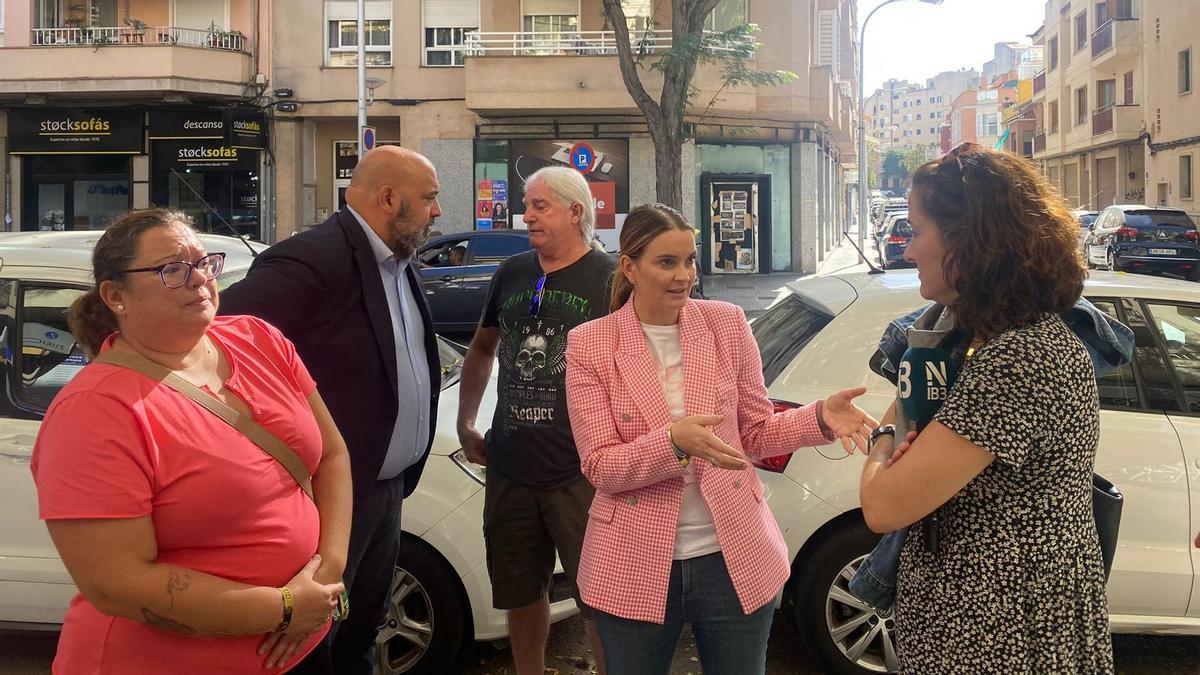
387 164
395 191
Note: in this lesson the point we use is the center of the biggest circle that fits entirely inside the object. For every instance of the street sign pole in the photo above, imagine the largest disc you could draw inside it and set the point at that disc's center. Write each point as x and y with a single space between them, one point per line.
362 75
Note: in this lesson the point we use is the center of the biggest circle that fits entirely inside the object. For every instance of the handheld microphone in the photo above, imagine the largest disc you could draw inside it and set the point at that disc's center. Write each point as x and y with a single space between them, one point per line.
924 377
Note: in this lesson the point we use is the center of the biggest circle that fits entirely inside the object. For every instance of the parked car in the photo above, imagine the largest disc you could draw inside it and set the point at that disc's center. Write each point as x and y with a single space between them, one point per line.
457 270
1085 219
893 206
819 337
1136 238
893 240
442 594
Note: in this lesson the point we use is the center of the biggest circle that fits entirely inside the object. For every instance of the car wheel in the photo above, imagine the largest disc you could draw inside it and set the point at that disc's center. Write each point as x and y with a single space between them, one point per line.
426 618
1110 260
851 636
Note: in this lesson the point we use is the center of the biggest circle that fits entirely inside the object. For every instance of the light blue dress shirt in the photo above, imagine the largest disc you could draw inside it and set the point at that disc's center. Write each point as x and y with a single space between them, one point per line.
410 435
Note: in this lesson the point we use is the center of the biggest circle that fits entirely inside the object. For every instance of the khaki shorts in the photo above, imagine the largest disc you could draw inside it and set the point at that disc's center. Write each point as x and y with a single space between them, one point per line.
523 527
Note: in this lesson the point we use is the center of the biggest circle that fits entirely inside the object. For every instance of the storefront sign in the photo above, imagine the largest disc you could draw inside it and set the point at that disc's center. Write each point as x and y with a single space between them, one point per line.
75 131
607 172
181 124
206 155
245 129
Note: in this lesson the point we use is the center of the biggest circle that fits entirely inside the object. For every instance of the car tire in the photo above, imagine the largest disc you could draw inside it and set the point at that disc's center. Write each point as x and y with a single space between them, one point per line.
427 617
823 605
1110 259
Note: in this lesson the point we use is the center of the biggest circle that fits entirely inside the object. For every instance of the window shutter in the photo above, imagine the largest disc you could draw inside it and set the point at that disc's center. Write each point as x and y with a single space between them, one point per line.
451 13
344 10
552 7
827 48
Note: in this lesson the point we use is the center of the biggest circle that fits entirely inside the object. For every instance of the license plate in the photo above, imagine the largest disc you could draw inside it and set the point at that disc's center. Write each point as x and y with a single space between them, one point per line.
1162 251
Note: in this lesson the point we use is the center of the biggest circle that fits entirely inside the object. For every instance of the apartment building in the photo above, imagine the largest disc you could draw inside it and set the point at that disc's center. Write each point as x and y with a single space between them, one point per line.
1170 103
904 116
1089 101
975 116
491 91
107 105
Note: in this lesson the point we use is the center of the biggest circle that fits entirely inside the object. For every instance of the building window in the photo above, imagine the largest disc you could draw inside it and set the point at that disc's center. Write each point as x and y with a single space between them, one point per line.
1128 100
1081 106
1080 31
1053 52
551 23
1106 93
1185 176
988 95
1053 117
918 132
918 115
727 15
987 124
1185 71
444 46
343 42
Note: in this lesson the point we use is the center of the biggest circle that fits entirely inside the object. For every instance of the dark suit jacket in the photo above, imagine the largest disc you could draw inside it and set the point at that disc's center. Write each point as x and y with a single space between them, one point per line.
322 289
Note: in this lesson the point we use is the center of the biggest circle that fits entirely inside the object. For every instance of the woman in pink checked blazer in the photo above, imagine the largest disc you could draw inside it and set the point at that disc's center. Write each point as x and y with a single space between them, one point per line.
667 401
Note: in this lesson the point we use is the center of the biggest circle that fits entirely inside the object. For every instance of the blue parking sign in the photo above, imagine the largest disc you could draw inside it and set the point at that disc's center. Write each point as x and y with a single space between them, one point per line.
582 157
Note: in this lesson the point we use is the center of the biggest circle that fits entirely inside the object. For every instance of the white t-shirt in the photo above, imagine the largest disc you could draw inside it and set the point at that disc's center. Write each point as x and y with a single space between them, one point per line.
695 534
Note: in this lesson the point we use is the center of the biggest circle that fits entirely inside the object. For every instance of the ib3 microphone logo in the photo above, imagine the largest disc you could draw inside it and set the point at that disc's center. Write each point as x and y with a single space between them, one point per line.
935 382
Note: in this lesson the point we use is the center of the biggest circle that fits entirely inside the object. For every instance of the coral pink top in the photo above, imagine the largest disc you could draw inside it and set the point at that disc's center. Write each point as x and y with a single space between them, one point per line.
116 444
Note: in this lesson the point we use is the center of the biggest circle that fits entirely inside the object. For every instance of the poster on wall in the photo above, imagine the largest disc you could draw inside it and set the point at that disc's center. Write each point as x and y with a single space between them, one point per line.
483 205
732 209
500 204
605 166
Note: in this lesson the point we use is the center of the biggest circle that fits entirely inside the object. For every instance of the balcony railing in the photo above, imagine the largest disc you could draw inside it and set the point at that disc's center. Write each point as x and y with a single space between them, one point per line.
578 43
1102 120
1102 38
1039 82
1039 141
150 35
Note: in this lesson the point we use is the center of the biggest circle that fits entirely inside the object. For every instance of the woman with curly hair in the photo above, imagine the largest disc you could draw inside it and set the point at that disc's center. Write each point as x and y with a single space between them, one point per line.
1005 574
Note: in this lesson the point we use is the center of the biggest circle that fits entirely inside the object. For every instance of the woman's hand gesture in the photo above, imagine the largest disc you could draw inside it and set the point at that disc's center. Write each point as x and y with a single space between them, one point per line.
847 421
694 436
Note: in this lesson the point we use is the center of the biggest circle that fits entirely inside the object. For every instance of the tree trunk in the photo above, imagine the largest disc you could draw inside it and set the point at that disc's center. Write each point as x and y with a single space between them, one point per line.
668 166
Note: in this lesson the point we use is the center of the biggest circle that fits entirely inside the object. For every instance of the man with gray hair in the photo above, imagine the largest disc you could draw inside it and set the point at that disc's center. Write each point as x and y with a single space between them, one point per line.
536 499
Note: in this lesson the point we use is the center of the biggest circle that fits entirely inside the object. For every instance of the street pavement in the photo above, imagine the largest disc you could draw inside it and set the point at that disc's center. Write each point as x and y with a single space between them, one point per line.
755 292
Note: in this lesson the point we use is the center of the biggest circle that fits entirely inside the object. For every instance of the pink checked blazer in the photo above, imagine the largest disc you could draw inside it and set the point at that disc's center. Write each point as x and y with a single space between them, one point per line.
619 418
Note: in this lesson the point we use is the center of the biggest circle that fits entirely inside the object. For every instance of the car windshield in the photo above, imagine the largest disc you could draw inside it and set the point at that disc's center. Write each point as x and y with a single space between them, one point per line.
783 331
1160 225
1087 219
901 227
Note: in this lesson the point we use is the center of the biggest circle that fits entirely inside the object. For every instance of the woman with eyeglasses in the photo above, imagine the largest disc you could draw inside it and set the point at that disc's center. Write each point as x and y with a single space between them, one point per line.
1002 568
192 548
669 411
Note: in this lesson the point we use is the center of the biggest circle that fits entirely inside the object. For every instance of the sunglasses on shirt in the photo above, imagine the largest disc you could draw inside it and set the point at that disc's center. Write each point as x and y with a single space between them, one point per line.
535 304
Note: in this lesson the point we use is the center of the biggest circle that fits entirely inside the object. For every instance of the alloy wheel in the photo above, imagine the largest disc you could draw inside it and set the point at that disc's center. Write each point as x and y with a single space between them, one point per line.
1111 260
408 628
865 635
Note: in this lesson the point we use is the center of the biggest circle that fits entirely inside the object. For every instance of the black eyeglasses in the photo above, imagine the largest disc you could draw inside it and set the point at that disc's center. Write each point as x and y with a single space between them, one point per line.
176 274
535 303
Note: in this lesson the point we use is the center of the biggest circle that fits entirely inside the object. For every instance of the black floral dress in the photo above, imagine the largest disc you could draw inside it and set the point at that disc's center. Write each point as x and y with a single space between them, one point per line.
1017 582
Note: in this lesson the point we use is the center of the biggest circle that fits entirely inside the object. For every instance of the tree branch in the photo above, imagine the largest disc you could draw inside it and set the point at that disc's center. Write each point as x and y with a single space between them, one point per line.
629 73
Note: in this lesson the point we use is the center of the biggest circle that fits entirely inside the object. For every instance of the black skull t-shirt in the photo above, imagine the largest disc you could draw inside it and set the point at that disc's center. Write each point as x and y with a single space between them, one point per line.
530 439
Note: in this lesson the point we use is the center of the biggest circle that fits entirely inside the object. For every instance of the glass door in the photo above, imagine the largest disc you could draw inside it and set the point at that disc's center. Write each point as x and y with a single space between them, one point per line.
51 207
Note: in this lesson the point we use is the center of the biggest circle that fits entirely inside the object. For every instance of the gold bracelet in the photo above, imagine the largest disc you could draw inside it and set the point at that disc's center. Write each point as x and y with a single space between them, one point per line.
679 453
287 609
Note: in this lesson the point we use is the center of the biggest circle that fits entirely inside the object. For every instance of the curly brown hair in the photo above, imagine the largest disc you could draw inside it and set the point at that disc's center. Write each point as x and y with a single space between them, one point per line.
1011 243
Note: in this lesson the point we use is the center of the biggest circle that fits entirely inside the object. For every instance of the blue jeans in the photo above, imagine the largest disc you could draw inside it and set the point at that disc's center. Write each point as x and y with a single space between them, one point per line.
701 593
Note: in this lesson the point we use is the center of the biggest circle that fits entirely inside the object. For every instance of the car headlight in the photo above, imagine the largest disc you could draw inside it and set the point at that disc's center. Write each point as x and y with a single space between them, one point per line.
477 472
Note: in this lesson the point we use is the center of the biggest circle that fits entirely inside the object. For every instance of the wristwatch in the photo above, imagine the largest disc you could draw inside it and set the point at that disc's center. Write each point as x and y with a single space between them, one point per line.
885 430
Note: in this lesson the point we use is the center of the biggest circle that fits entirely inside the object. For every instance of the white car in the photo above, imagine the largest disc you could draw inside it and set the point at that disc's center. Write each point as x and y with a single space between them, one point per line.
819 337
442 595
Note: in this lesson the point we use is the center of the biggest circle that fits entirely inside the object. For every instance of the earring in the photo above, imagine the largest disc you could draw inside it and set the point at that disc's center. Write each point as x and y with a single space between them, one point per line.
120 308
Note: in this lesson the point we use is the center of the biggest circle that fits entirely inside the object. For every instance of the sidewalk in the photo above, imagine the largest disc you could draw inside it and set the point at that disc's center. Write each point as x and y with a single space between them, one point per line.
755 292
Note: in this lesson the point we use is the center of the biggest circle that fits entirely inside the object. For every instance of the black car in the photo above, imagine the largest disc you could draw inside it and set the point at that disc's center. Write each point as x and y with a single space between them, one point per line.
457 270
892 242
1145 239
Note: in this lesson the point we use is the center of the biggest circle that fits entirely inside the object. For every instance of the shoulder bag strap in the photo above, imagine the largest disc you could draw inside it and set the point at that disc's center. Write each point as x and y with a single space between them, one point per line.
270 443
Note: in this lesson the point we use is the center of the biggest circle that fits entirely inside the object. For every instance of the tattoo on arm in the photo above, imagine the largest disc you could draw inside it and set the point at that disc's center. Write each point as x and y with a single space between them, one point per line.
177 582
163 623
